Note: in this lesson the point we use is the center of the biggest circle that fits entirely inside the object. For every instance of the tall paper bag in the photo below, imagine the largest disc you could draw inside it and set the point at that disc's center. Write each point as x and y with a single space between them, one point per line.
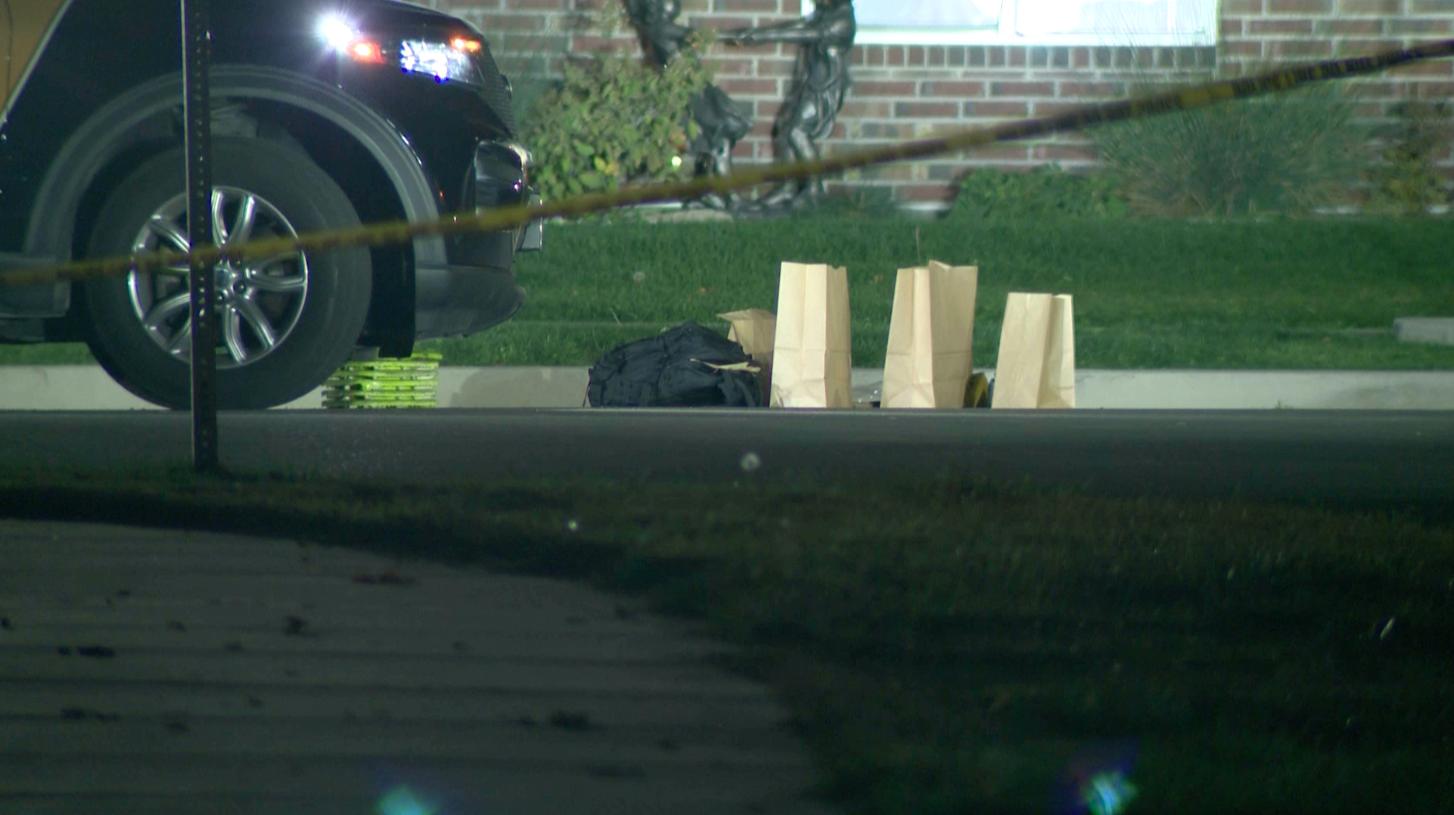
1057 382
755 329
1036 366
812 349
931 336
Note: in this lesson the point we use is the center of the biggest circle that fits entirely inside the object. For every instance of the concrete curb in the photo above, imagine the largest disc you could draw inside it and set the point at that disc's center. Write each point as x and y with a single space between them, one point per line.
1429 330
83 387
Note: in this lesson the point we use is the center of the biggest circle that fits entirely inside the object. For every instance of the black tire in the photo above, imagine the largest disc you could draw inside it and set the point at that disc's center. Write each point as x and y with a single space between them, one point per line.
321 300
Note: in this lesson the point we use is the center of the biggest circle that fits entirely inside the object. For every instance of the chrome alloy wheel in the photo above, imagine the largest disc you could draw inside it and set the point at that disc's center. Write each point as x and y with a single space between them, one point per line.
258 302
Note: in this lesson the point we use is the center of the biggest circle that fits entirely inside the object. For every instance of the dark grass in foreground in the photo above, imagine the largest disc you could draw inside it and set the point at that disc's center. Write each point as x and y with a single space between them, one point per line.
948 648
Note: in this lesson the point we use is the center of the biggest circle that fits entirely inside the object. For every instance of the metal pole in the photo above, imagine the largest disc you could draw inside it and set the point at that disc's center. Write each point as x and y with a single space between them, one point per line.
197 111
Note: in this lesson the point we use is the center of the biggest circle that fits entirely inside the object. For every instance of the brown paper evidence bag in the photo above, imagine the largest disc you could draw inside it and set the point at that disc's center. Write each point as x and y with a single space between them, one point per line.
755 329
812 360
1036 367
931 337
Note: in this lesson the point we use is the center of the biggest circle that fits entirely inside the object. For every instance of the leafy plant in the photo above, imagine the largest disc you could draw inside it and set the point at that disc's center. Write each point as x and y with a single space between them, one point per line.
1406 179
1287 153
614 119
1044 192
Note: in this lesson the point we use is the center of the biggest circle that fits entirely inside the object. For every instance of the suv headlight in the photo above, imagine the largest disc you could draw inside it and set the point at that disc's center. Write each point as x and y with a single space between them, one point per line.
445 59
452 61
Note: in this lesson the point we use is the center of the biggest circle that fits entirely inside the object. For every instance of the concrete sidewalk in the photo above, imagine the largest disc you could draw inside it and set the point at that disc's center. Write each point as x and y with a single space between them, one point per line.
186 672
88 388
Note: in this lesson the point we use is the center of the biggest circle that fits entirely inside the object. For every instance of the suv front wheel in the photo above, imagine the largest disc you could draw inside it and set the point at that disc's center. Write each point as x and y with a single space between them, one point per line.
284 322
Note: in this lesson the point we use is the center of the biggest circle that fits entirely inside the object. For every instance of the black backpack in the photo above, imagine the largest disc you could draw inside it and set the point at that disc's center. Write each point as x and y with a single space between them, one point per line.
684 366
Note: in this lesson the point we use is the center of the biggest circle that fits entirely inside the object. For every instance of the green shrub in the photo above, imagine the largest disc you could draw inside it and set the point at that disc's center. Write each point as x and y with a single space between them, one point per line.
852 202
1044 192
613 119
1285 153
1406 179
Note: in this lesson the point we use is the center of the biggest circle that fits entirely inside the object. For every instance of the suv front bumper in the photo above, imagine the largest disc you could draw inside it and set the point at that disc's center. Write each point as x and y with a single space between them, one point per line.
477 289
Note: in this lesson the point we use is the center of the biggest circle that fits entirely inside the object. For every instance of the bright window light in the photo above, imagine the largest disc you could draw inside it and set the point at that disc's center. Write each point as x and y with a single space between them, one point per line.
1036 22
927 14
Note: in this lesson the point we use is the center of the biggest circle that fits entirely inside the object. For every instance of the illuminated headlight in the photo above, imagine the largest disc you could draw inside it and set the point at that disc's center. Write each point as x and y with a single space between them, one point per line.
342 37
443 61
337 32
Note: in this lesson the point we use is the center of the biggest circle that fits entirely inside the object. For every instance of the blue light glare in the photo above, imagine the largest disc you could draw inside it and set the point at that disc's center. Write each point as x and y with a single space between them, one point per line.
1108 794
403 801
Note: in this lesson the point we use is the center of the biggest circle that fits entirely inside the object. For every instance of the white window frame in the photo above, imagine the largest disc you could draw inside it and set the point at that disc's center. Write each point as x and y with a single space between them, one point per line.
1204 14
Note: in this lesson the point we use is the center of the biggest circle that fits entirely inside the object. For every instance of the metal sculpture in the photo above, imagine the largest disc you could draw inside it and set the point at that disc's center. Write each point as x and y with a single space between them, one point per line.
719 123
820 83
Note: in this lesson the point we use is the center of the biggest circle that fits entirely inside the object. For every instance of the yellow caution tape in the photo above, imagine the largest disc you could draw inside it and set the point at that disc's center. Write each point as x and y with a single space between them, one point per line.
398 232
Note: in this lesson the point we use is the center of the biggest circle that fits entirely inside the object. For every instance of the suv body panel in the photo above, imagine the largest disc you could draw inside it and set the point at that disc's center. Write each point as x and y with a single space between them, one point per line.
23 36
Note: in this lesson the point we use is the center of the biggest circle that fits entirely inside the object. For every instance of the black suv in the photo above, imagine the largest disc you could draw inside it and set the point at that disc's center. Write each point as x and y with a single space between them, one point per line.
326 114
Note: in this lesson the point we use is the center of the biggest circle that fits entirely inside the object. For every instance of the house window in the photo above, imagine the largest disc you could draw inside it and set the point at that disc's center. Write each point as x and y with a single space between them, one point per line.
1037 22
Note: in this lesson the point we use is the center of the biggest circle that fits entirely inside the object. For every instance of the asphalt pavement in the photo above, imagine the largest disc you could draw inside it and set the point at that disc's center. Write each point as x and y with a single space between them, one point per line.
1382 458
184 672
86 387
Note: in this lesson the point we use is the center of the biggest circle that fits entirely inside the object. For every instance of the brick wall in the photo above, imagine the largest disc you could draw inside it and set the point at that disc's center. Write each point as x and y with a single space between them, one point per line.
911 91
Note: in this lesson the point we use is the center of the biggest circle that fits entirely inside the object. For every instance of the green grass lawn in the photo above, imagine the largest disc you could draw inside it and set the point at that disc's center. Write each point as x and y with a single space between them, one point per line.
1315 294
947 647
47 354
1148 294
